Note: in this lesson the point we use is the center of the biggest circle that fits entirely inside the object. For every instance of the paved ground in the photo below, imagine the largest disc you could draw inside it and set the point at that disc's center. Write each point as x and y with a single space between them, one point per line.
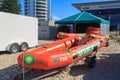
8 63
107 68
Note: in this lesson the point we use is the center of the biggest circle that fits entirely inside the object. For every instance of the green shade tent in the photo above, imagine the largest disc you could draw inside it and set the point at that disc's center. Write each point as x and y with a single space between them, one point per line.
83 17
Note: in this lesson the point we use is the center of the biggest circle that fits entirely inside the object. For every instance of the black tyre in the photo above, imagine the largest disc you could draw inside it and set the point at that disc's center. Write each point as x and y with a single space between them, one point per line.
14 48
18 77
107 44
24 46
91 60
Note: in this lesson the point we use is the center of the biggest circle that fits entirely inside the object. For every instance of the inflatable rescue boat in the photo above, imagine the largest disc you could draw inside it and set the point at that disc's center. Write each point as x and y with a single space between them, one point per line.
67 50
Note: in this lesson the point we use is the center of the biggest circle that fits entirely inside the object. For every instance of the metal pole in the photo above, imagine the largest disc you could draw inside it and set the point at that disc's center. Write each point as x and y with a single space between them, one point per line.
118 27
75 28
50 10
109 17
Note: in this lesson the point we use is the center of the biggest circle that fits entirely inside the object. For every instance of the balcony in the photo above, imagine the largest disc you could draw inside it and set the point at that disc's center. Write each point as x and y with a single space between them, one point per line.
44 12
41 18
42 8
41 2
41 15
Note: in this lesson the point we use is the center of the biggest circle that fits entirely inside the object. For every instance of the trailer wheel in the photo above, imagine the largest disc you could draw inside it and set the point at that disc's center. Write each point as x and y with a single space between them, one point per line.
107 44
24 46
18 77
14 48
91 60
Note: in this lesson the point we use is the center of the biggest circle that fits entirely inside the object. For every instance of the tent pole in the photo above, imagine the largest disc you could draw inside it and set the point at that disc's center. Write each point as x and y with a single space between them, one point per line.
75 28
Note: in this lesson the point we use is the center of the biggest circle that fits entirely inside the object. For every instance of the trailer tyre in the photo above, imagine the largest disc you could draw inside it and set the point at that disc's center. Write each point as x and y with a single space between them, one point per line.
24 46
14 48
18 77
107 44
91 60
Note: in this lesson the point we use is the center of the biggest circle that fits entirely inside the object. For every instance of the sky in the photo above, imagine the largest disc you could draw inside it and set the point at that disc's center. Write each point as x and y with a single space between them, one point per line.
64 8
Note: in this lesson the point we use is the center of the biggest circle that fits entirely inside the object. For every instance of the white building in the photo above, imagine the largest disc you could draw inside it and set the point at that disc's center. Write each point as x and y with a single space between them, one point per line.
42 10
37 8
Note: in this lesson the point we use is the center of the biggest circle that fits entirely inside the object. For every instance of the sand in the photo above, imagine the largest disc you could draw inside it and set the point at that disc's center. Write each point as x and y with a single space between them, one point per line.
107 67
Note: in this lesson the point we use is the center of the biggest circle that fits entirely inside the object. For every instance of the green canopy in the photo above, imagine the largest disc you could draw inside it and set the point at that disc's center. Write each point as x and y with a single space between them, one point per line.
83 17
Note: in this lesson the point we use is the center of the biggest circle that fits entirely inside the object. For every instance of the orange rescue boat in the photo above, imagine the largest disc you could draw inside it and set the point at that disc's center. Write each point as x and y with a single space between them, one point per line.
69 49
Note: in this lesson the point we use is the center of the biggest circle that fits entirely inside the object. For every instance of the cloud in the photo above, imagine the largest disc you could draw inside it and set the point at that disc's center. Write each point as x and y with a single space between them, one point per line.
55 18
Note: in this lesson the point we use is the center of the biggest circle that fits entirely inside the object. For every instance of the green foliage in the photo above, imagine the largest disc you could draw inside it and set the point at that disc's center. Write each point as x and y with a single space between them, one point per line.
11 6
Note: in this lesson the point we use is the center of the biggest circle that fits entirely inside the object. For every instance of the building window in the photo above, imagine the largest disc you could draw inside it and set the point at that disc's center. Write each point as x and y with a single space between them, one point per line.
28 2
33 12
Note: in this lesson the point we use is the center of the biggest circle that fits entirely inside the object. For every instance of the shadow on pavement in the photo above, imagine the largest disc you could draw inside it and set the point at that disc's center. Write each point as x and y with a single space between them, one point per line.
107 68
4 52
9 72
